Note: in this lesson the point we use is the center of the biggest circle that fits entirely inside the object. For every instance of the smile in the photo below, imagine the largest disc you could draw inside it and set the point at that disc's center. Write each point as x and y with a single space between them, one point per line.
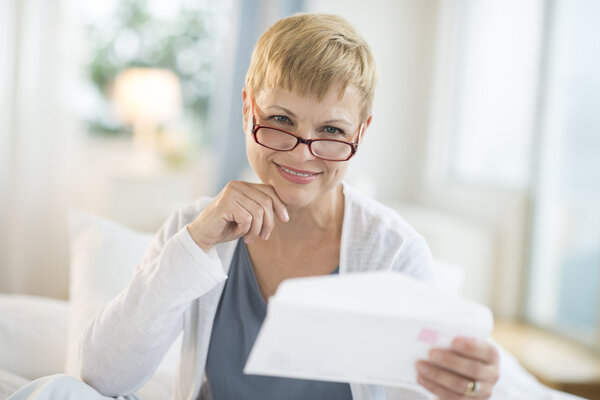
296 176
289 171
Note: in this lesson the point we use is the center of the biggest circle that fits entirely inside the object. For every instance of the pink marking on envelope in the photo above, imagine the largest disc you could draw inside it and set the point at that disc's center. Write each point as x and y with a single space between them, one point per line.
428 336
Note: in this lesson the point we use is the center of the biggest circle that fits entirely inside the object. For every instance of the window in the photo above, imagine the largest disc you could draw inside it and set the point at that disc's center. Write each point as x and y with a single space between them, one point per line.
564 281
492 94
516 144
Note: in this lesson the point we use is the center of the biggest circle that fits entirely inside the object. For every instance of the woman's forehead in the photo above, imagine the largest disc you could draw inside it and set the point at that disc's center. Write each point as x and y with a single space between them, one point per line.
331 105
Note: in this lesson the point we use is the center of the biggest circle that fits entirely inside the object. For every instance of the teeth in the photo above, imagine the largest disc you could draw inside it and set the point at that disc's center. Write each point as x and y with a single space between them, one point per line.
294 173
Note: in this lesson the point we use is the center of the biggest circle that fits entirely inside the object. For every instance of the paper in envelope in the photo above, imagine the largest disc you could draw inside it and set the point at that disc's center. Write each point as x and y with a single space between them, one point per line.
368 328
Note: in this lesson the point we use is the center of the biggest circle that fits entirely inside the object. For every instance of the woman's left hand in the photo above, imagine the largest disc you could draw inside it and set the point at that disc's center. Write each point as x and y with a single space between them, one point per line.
468 369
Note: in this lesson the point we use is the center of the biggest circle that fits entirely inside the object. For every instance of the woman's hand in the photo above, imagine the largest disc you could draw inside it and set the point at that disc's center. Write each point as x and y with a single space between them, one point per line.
469 369
241 209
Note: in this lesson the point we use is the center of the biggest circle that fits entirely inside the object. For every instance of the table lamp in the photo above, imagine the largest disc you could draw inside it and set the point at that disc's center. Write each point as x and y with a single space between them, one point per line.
146 98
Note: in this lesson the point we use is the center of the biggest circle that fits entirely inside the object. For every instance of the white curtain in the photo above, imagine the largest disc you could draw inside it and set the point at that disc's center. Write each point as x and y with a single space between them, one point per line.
47 165
251 19
35 137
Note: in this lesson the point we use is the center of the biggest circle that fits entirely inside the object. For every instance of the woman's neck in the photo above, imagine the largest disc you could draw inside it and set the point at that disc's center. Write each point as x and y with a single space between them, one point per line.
322 218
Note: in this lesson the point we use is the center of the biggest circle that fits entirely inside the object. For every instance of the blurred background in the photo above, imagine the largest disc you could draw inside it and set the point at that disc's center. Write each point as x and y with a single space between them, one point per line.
485 136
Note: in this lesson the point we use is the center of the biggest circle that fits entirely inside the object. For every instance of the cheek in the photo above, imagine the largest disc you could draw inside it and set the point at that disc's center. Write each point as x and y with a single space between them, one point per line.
339 167
337 170
257 155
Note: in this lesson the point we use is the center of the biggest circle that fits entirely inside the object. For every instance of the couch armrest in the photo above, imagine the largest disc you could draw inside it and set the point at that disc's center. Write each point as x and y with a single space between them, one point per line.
33 335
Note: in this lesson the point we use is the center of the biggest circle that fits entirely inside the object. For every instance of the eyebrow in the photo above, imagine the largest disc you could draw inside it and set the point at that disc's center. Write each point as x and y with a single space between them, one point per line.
284 110
336 121
331 121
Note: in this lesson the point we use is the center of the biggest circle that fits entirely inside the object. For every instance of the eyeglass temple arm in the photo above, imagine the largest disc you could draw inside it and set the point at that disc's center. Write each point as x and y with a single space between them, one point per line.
360 132
252 108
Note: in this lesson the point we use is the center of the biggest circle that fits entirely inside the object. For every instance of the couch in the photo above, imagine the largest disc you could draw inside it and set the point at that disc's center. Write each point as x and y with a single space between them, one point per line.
39 336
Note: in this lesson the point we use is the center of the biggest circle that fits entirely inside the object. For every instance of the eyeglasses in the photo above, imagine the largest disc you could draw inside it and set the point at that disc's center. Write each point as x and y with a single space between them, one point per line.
282 140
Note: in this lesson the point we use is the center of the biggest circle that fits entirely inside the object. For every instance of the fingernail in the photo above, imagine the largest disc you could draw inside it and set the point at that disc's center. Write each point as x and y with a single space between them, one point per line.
286 216
266 236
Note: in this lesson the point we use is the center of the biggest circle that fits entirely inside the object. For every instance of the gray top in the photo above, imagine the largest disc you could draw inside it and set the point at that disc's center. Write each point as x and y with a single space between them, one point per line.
240 314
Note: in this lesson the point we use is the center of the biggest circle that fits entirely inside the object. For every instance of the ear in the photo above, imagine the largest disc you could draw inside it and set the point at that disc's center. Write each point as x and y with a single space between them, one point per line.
245 107
367 123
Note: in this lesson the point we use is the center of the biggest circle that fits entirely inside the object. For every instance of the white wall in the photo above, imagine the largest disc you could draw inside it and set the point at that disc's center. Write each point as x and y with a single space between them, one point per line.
391 164
401 35
402 146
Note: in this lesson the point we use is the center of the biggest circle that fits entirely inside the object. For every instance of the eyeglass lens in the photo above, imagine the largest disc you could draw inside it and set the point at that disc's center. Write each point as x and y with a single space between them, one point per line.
278 140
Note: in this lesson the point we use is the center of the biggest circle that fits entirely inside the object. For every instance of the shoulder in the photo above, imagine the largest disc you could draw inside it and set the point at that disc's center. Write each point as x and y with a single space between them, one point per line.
377 238
175 223
186 214
374 218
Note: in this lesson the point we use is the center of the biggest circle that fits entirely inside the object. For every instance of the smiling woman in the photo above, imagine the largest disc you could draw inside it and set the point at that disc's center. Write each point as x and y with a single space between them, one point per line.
300 163
214 264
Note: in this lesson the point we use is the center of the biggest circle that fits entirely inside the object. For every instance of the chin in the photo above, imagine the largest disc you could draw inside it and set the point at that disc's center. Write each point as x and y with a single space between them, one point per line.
295 198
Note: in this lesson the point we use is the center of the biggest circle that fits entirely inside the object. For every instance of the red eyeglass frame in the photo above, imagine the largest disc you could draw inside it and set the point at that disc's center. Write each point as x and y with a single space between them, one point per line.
353 145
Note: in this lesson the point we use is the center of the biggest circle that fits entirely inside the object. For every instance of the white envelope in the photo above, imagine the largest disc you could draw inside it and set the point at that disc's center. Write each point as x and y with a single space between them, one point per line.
367 328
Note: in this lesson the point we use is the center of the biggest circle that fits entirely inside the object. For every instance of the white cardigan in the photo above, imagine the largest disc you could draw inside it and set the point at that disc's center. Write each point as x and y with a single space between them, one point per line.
178 286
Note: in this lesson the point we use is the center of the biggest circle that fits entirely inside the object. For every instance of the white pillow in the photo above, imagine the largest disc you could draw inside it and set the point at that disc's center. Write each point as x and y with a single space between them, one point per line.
33 333
104 255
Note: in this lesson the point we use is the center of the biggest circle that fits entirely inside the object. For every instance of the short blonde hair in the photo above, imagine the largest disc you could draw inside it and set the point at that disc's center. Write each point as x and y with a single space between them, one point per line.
311 53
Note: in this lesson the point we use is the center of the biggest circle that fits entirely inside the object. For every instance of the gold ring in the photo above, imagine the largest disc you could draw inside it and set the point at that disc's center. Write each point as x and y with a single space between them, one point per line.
472 388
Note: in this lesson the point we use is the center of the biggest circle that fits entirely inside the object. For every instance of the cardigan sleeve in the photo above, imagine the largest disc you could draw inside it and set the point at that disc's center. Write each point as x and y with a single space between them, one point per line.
127 339
416 260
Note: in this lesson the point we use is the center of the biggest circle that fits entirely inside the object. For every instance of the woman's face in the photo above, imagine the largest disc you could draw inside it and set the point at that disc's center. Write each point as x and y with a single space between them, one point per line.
332 117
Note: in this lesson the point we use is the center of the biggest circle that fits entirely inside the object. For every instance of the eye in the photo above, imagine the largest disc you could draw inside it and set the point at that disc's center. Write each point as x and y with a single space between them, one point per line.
332 130
282 119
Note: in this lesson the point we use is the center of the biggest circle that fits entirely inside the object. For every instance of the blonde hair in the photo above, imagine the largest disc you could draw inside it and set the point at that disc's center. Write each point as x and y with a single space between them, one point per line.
311 53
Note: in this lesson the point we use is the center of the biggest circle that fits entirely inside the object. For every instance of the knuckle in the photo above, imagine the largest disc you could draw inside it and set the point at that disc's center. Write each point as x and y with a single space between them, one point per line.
268 201
230 185
494 357
456 383
246 219
486 393
495 376
434 373
430 386
442 358
469 347
476 370
447 395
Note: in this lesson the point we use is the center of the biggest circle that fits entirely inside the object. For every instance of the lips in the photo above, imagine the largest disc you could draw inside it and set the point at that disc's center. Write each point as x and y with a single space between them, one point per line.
298 172
296 175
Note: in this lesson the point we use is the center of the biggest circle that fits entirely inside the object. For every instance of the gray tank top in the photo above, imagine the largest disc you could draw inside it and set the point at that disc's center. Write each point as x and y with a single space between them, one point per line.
240 314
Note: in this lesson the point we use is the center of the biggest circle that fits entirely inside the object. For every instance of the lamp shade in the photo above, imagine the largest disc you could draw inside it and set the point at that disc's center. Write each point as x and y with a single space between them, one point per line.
147 96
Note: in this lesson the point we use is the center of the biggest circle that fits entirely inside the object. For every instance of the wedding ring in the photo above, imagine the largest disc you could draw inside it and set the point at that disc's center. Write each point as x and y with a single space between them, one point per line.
472 388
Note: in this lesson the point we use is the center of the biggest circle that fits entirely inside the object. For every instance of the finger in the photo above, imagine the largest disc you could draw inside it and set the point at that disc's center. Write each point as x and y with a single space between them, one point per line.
450 382
466 366
439 391
241 218
257 213
266 202
477 349
278 205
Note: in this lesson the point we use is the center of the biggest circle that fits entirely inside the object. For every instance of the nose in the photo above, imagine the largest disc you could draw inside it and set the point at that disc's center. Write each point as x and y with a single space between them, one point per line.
302 150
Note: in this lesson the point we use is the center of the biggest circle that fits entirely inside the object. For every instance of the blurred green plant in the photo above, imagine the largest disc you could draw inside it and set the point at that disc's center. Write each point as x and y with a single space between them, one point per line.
134 37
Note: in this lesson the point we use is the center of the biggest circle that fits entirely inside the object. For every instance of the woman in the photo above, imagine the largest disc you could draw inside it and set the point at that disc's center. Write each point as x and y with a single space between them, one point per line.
306 109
